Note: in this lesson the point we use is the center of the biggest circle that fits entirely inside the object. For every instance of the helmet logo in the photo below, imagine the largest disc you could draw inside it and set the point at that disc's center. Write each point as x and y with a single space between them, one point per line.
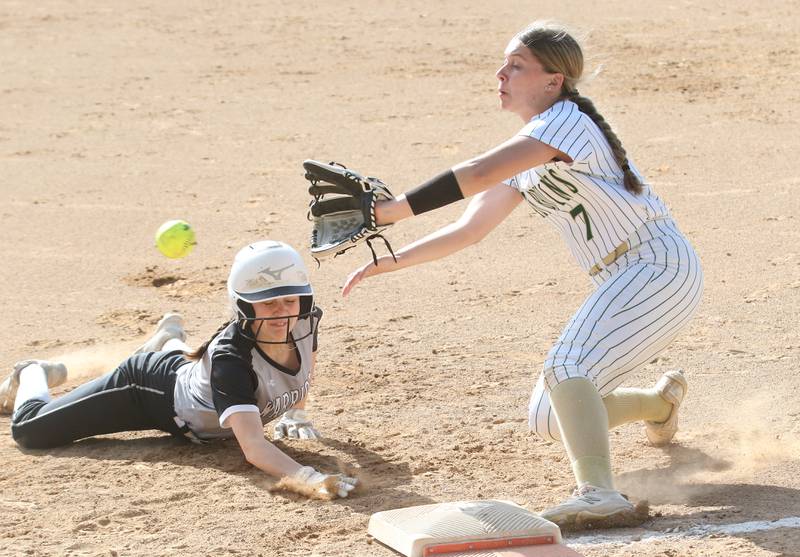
276 274
260 280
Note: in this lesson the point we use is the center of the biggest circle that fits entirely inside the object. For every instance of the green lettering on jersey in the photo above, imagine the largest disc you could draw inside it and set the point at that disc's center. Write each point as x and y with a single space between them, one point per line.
571 187
580 210
545 181
541 199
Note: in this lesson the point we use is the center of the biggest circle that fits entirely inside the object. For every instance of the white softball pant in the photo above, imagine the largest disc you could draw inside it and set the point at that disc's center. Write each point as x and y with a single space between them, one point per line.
641 302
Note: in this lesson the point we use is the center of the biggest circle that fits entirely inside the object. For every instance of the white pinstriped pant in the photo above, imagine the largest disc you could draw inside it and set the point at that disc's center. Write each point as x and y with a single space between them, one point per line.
641 303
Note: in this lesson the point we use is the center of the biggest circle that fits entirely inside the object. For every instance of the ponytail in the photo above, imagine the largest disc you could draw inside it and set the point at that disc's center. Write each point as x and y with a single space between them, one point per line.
200 351
585 105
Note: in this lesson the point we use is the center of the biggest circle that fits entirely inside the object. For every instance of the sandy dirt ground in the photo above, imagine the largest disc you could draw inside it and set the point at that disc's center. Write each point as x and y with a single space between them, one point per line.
116 116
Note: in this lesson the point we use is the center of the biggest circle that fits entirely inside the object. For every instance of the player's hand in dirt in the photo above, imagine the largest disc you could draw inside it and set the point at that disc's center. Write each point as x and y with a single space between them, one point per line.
316 485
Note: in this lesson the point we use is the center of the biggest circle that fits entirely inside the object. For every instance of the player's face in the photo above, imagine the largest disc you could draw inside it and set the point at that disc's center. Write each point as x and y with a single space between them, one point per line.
276 318
524 87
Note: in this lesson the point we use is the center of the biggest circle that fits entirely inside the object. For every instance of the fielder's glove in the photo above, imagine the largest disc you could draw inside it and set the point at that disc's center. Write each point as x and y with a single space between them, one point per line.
312 483
295 424
343 209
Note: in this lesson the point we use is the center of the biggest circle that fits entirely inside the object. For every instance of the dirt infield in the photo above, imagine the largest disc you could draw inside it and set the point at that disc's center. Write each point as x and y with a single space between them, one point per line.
117 116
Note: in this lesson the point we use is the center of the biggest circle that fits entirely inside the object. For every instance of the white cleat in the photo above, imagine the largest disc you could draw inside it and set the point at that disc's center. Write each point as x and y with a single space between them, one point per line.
672 387
169 327
56 373
594 507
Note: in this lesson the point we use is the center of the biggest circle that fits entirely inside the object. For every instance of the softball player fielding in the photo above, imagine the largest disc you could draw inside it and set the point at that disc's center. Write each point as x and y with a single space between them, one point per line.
255 368
572 169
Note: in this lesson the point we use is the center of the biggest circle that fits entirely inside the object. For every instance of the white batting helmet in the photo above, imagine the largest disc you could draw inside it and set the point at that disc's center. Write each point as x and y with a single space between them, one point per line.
267 270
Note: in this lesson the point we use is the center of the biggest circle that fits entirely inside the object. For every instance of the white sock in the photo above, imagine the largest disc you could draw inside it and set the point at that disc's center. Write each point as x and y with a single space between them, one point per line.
176 344
32 385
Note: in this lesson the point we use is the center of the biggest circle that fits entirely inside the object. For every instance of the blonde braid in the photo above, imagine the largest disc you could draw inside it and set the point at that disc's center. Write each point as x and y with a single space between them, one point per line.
585 105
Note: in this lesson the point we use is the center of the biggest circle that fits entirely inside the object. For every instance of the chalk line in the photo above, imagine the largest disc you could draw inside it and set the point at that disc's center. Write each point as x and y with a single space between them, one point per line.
677 533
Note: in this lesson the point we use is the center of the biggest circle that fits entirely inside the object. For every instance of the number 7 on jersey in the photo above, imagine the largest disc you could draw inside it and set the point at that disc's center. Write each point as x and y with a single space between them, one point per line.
580 210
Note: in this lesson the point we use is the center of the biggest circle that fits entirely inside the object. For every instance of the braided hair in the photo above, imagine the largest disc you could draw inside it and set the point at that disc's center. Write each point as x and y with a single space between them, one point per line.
199 352
559 52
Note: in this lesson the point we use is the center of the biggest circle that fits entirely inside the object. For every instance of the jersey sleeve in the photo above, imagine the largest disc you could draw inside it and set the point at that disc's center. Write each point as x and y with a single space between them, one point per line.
233 387
513 182
561 127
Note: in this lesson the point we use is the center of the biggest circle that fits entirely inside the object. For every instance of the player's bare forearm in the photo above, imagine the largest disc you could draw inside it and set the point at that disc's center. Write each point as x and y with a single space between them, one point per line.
481 216
268 458
259 452
390 212
481 173
436 245
439 244
502 162
448 239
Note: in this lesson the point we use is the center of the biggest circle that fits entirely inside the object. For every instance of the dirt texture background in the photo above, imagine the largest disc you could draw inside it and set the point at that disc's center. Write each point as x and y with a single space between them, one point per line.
116 116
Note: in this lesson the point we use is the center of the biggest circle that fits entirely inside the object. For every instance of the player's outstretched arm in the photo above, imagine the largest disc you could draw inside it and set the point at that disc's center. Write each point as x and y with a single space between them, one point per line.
482 215
262 454
469 178
259 452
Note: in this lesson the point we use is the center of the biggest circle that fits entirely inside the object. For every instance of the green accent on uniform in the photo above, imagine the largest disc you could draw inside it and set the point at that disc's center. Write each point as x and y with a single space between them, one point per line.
570 186
554 188
577 211
540 198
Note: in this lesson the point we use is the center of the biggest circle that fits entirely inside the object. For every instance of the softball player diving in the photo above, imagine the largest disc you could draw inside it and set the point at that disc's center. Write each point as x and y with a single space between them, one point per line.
255 368
572 169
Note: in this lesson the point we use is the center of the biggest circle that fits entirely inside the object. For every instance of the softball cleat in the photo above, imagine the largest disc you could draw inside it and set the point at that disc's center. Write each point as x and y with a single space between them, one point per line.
56 374
672 387
595 507
169 327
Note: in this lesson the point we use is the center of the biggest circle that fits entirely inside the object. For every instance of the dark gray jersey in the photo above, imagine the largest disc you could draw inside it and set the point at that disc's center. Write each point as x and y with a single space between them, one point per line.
235 375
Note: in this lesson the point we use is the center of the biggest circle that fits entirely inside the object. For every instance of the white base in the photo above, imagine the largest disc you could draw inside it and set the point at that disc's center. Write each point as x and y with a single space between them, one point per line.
467 528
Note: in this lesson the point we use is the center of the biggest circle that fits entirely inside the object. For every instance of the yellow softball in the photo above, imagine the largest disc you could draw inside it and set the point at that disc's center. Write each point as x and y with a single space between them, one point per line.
175 239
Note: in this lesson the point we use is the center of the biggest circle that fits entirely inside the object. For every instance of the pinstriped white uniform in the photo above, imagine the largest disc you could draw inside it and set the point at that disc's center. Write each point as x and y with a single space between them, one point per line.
585 200
641 300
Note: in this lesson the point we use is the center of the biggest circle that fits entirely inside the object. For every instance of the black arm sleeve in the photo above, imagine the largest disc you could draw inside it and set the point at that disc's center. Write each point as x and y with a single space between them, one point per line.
233 381
232 384
437 192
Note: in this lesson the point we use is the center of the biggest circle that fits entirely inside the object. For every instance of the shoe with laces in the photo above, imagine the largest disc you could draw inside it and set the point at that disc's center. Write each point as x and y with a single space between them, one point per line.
56 373
672 387
169 327
593 507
